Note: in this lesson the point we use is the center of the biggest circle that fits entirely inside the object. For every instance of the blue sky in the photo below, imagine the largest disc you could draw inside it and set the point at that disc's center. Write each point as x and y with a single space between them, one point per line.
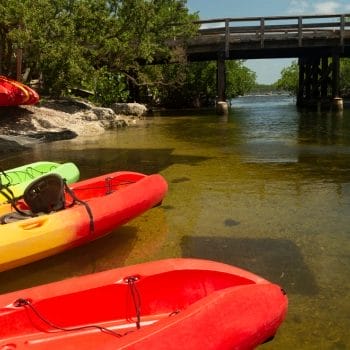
268 71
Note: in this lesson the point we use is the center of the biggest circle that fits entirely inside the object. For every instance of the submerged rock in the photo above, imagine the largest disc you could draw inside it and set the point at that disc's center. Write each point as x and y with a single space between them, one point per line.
11 144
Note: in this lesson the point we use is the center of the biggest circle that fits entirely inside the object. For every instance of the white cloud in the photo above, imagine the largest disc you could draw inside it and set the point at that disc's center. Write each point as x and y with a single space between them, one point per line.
327 7
212 25
297 7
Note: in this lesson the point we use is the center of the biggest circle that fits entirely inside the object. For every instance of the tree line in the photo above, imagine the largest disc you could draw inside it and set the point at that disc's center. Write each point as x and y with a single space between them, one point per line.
290 76
113 49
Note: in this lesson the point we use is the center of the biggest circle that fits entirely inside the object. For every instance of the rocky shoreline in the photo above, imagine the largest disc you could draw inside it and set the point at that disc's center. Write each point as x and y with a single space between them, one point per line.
62 119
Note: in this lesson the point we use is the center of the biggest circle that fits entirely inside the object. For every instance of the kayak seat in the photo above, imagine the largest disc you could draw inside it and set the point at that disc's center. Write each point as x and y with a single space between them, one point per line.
45 194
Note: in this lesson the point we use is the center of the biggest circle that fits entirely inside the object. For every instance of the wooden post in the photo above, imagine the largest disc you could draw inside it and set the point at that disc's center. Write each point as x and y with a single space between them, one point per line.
335 75
262 32
221 78
337 101
227 38
221 104
315 81
316 88
301 82
307 91
19 54
342 30
324 77
300 31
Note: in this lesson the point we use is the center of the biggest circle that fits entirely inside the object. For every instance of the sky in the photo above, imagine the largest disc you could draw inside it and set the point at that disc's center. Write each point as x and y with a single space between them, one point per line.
267 70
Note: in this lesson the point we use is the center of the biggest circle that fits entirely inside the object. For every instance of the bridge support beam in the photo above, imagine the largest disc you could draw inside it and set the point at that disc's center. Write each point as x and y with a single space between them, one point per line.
221 103
319 82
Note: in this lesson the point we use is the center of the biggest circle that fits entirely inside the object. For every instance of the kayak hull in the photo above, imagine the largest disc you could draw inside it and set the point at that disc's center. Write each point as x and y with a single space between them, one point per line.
14 93
181 303
114 199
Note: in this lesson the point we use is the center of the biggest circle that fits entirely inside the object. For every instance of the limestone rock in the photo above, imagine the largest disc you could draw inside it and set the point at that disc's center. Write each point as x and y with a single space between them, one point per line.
61 120
135 109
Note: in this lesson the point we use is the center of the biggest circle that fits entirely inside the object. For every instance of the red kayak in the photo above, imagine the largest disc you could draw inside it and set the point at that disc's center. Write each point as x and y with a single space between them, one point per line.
168 304
14 93
52 220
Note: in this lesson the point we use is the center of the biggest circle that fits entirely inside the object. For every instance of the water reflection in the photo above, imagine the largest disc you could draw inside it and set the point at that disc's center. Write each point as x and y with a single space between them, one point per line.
322 128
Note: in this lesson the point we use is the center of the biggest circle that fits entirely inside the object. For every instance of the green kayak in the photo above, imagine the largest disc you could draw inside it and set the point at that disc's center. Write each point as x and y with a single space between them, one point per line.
14 181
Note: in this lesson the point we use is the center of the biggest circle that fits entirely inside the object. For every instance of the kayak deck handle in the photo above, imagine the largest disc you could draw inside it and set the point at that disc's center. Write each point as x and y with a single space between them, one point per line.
33 224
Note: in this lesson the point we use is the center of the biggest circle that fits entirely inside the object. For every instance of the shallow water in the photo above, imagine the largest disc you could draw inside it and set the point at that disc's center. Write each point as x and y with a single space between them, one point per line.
266 188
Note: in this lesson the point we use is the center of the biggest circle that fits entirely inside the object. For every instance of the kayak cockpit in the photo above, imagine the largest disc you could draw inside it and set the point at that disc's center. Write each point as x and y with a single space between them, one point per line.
131 302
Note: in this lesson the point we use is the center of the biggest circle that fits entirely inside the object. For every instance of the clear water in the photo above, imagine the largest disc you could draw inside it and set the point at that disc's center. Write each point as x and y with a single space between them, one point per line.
266 188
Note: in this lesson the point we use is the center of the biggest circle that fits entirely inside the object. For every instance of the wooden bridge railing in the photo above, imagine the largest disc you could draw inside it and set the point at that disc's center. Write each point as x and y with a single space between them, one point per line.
282 27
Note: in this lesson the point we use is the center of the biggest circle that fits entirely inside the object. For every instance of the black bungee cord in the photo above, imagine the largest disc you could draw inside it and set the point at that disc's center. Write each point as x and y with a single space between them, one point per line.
26 303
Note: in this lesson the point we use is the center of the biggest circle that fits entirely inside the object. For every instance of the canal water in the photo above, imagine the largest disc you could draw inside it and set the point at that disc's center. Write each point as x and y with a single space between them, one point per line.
266 188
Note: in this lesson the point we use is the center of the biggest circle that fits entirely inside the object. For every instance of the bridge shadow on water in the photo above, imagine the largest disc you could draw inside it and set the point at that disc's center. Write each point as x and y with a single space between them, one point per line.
92 161
278 260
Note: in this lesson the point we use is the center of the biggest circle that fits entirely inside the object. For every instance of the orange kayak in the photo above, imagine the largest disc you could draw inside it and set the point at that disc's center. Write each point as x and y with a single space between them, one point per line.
104 203
170 304
14 93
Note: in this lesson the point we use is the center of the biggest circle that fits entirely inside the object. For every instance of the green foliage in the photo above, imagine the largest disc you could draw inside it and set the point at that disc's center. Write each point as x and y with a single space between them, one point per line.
103 45
345 76
109 88
200 84
264 88
165 84
289 79
67 41
201 81
194 84
239 79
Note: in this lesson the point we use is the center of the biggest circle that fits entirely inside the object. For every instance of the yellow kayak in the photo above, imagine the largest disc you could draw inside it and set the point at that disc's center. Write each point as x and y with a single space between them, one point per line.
101 205
14 181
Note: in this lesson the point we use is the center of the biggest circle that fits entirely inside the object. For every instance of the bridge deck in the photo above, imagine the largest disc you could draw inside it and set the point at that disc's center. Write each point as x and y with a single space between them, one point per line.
271 37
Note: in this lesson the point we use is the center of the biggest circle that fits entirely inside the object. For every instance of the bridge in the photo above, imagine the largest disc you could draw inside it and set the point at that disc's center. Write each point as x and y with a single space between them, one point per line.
317 42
